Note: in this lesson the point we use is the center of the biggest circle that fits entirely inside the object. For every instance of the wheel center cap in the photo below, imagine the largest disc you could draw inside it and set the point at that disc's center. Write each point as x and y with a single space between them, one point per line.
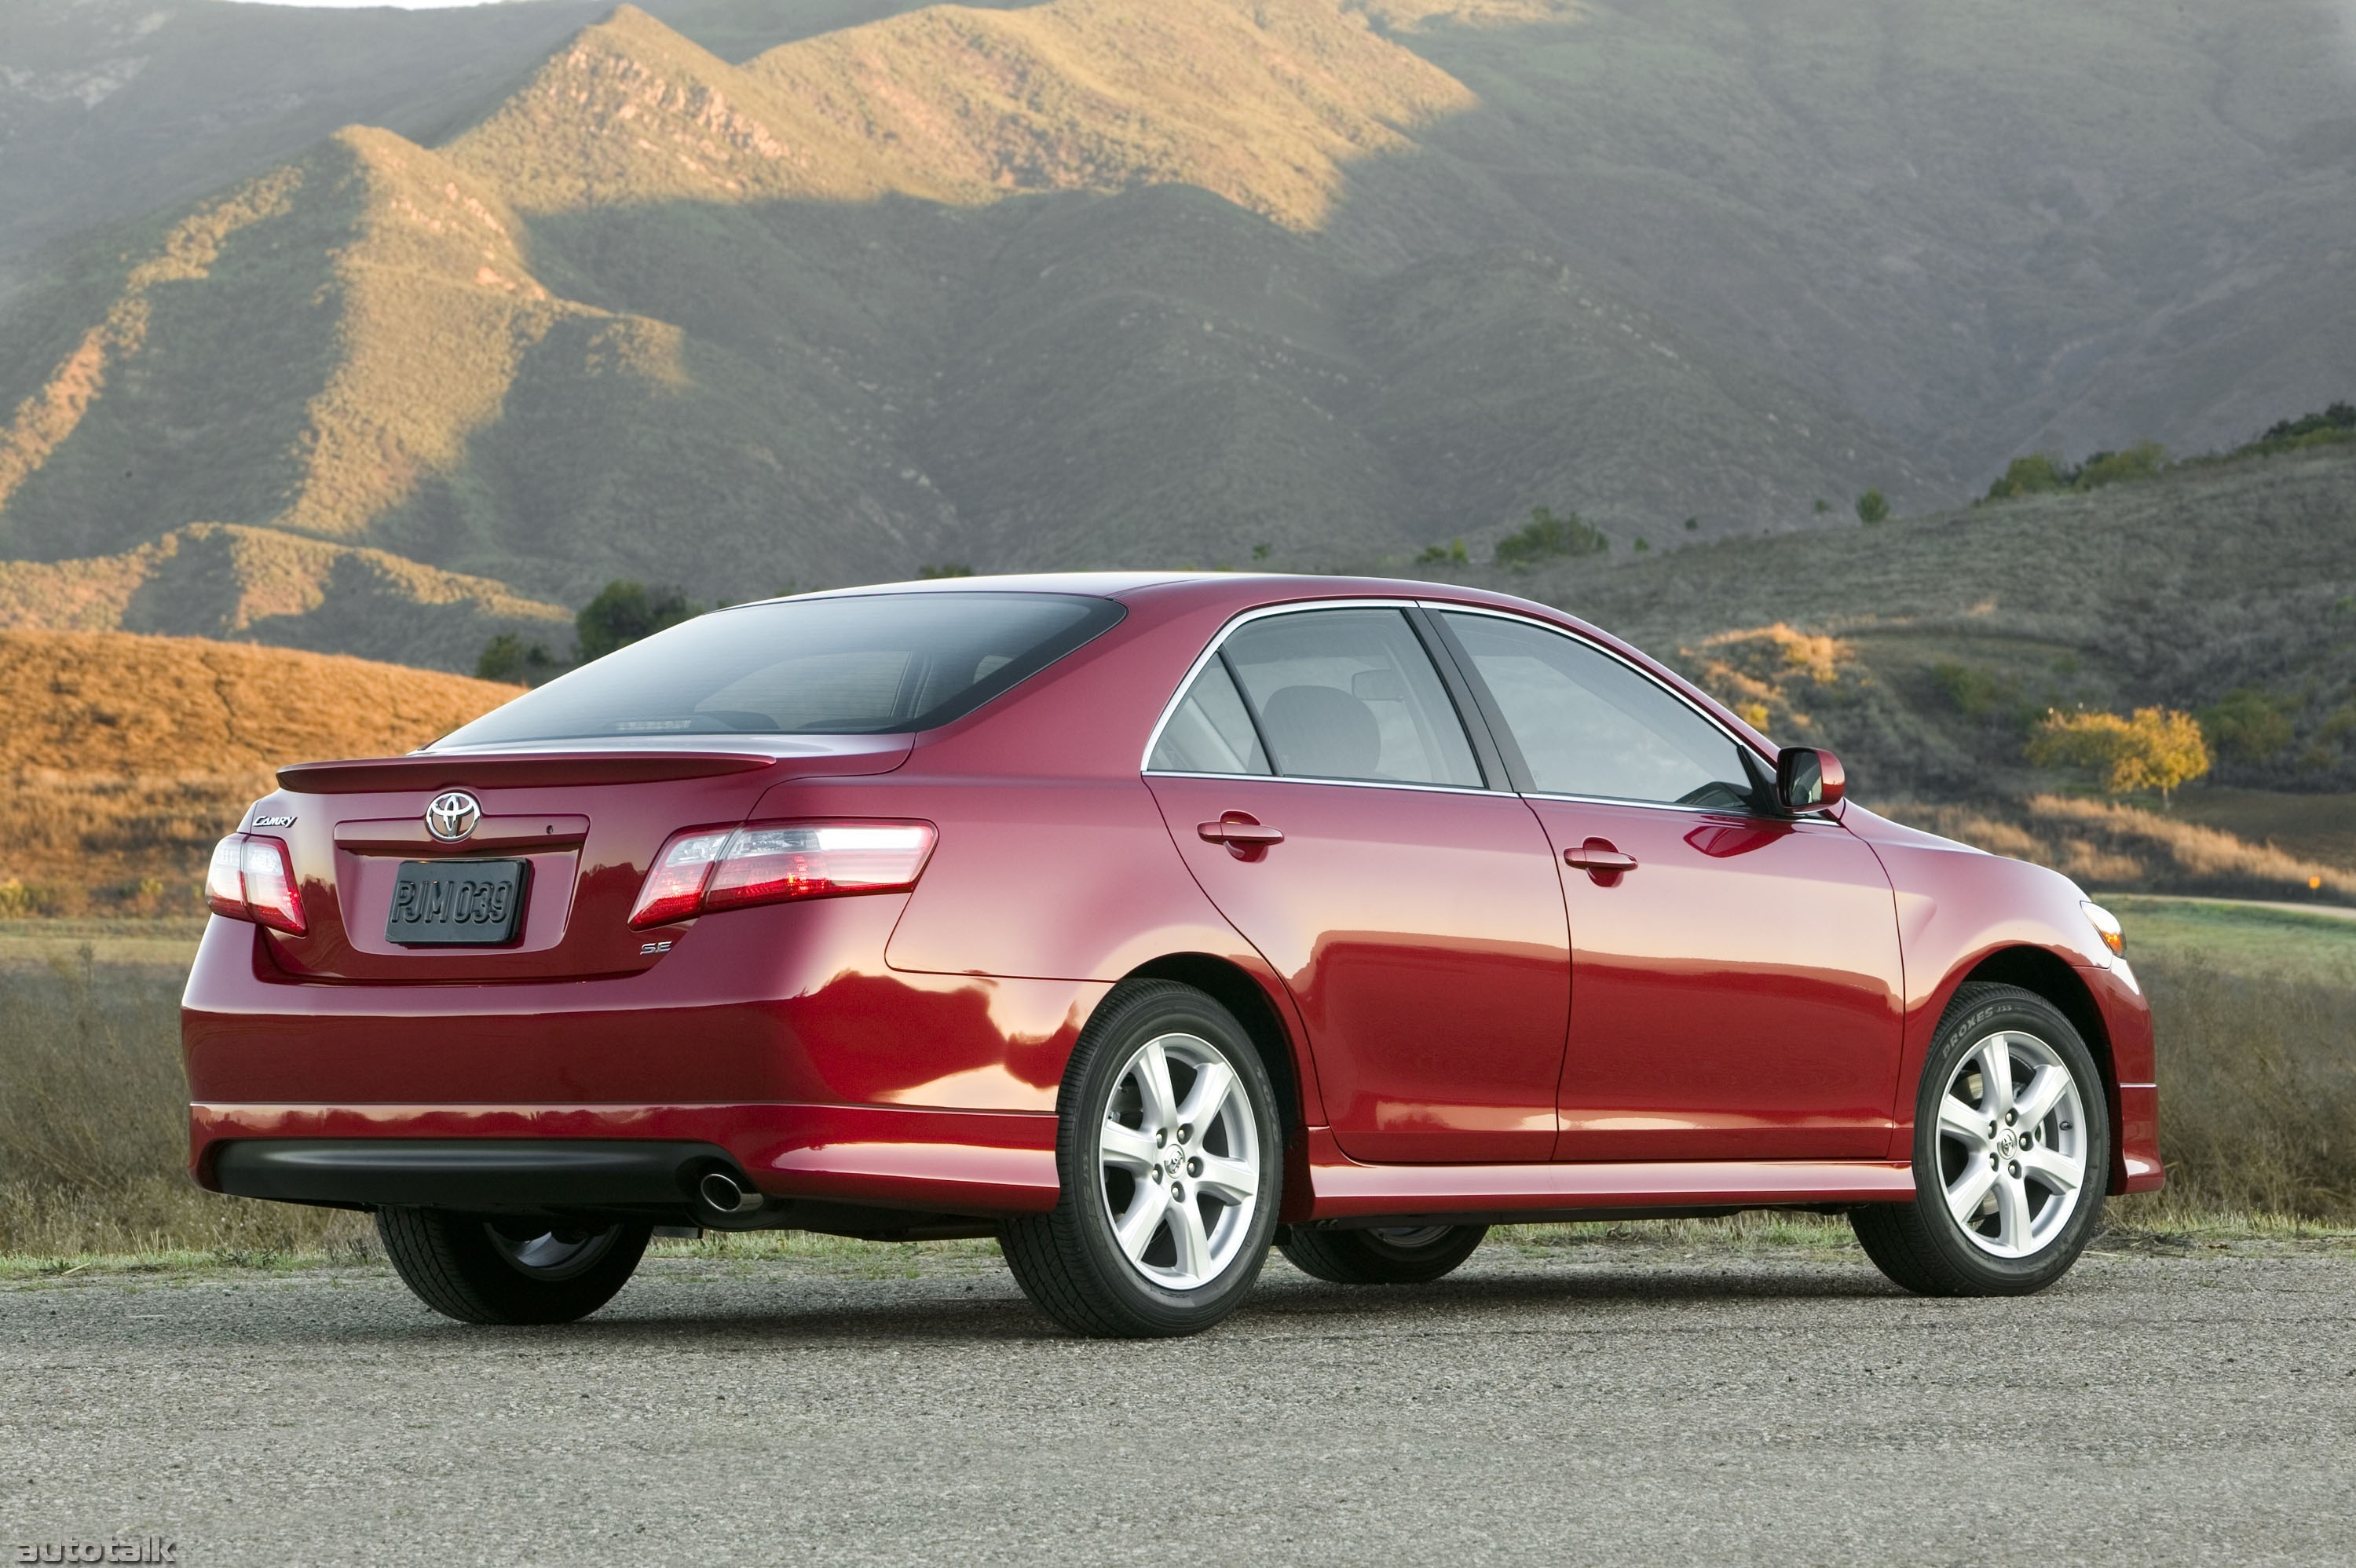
2006 1142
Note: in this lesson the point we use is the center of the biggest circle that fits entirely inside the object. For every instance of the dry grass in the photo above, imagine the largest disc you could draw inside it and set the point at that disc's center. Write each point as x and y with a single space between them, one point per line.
2257 1087
2108 846
2320 828
94 1130
127 757
2257 1084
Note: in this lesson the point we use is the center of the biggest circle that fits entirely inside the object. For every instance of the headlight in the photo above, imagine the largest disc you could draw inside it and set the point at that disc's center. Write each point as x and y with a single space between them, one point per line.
2106 926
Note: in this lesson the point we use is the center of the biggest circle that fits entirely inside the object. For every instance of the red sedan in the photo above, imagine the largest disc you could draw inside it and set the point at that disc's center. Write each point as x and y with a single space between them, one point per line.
1142 922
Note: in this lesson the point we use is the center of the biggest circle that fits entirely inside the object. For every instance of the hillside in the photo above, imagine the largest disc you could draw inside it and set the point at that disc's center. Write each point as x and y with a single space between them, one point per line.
128 756
211 580
1947 629
723 297
1923 649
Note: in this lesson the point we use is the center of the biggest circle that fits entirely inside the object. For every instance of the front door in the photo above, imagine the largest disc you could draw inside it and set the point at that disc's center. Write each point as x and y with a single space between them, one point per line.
1735 974
1412 909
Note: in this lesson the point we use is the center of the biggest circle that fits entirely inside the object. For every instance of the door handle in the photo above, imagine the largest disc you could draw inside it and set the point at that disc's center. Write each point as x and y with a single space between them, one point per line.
1598 857
1239 830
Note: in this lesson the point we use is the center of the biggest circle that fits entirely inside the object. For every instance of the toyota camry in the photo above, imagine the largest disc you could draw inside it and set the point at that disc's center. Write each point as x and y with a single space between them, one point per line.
1144 922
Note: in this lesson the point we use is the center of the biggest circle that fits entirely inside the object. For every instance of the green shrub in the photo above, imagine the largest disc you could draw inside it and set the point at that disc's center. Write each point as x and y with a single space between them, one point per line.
625 611
2032 475
2339 419
23 900
506 657
2144 460
2249 725
1977 693
1548 537
1454 554
1872 508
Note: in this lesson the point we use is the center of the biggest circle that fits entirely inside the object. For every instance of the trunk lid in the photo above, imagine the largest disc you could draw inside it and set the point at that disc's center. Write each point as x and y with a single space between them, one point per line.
586 824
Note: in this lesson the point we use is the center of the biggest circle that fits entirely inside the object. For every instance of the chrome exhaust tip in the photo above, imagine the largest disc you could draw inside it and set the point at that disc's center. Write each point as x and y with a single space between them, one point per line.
723 1194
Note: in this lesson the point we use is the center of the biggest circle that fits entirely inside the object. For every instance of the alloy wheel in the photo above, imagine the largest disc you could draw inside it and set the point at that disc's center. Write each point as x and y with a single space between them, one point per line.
1178 1153
2012 1145
551 1254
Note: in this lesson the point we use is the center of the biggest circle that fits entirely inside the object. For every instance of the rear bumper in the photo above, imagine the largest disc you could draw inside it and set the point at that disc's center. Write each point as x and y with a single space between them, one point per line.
600 1157
483 1175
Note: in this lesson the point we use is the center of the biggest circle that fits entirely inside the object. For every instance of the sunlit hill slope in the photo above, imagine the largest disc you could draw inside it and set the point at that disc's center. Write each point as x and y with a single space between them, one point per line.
127 757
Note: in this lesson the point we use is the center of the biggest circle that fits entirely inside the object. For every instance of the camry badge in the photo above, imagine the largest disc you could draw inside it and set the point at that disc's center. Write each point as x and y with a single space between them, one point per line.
452 815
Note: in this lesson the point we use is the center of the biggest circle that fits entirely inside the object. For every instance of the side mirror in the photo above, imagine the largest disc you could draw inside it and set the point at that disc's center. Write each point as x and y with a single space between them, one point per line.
1808 780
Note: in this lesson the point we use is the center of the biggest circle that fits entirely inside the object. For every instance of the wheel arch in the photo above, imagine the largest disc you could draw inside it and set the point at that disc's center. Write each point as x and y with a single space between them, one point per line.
2044 973
1243 994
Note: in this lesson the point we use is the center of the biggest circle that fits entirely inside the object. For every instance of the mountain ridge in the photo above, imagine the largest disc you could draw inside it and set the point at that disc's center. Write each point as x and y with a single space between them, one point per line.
1092 282
455 301
228 583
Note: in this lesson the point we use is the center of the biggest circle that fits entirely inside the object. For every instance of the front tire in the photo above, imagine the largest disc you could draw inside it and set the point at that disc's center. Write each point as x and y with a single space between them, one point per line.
1169 1152
1391 1255
482 1270
2012 1153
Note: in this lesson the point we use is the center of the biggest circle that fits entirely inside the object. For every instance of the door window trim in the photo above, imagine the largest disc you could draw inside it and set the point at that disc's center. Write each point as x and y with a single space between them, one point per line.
1483 757
1440 611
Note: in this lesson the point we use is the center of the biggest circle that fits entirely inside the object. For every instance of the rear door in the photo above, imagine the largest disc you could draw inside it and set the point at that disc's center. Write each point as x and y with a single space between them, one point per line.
1322 786
1735 973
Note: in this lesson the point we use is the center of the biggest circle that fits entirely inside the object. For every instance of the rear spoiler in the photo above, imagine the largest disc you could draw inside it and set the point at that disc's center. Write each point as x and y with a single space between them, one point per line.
513 772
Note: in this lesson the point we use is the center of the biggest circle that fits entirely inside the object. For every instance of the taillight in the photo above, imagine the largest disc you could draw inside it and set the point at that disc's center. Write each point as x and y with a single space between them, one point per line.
674 888
252 878
708 868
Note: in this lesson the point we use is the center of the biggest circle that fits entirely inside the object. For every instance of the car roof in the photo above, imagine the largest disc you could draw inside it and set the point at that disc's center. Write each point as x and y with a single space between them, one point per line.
1232 593
1238 590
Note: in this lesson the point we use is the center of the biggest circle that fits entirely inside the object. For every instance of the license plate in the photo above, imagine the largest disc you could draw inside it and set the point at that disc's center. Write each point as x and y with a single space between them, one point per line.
456 903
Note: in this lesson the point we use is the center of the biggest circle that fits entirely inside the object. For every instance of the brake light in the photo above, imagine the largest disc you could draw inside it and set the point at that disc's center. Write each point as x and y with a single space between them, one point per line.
252 878
706 870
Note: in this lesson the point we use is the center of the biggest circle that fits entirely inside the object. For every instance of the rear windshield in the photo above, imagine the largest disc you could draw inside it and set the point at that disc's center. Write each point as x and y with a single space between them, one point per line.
862 665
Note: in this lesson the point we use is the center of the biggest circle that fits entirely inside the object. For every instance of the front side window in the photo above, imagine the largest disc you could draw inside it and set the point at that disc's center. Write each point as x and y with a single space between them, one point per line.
863 664
1589 725
1326 694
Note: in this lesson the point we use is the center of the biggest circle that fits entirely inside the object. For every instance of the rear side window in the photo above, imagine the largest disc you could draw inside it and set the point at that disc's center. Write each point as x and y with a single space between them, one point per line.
865 664
1329 694
1209 733
1589 725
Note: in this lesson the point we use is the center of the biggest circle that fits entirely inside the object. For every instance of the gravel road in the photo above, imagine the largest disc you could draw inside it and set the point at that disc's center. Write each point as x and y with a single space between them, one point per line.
1583 1407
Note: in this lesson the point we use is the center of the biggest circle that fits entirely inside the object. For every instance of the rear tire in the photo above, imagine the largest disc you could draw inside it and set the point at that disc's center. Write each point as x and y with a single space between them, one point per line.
1170 1155
481 1270
2012 1153
1393 1255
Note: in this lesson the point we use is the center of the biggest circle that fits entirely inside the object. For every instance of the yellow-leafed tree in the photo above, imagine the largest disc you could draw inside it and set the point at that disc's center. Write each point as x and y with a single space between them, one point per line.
2154 748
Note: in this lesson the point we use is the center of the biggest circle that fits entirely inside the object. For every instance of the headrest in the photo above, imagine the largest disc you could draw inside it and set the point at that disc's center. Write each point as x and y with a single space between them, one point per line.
1323 732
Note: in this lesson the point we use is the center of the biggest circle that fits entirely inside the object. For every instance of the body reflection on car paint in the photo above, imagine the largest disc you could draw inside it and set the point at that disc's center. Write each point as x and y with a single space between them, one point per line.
1145 922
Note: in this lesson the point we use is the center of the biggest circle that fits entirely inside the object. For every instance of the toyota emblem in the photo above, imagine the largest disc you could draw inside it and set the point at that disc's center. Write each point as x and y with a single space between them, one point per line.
452 815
